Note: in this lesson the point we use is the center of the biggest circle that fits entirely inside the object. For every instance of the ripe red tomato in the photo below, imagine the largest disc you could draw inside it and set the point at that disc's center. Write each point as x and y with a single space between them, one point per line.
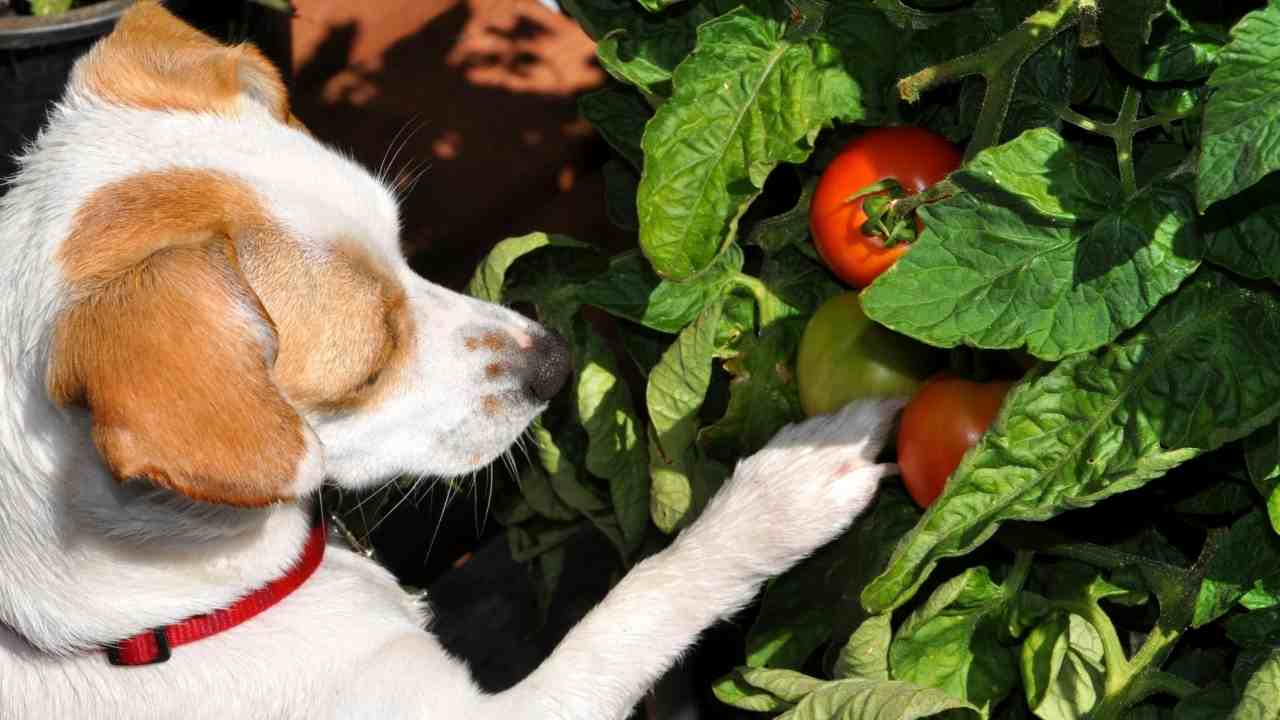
915 157
946 418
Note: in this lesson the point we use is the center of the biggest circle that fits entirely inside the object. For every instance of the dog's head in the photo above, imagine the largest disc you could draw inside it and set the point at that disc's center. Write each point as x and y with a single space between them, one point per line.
234 316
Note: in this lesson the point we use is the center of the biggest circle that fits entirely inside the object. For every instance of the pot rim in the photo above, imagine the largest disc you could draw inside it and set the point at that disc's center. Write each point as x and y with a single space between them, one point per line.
22 32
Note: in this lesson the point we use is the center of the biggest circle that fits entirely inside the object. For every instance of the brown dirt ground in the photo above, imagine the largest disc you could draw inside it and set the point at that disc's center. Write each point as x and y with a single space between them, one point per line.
482 93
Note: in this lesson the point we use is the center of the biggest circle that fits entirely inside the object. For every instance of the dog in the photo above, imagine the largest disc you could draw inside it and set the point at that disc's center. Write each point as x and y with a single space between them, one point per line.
205 315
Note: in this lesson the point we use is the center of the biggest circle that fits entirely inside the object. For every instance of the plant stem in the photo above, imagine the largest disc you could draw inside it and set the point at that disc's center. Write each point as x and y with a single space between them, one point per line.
999 65
1090 34
1142 676
1019 572
766 303
1124 139
1113 655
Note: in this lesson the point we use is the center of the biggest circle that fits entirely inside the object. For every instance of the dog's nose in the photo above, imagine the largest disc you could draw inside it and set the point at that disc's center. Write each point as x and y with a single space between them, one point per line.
552 362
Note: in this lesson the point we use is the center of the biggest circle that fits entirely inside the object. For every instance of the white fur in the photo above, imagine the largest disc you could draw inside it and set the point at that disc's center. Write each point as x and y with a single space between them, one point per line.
85 560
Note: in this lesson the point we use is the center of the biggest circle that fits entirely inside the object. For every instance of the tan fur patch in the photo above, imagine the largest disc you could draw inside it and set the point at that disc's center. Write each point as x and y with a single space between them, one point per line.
194 317
169 358
342 322
154 61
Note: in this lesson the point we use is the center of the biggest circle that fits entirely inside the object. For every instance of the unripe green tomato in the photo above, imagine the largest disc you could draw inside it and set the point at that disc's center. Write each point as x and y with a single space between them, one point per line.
844 356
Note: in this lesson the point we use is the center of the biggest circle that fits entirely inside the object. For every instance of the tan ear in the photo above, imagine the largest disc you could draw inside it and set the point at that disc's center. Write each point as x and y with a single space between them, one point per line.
153 60
172 357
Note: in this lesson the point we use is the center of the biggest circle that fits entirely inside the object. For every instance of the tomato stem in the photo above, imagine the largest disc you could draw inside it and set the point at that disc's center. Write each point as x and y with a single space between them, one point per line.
999 64
1122 131
1090 33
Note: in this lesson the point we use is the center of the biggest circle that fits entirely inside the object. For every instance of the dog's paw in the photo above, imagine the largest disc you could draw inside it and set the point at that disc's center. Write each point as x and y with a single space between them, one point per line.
805 487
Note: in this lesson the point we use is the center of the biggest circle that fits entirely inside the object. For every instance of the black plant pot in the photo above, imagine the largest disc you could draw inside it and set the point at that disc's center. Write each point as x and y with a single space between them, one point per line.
36 54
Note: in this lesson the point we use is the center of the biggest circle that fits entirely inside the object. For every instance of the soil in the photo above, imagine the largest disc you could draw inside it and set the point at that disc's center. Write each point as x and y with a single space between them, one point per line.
482 96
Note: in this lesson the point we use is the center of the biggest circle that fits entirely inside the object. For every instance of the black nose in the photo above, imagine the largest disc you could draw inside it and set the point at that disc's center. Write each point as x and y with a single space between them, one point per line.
551 363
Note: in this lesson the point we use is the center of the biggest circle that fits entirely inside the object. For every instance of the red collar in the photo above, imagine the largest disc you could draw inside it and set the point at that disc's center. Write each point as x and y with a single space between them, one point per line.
154 645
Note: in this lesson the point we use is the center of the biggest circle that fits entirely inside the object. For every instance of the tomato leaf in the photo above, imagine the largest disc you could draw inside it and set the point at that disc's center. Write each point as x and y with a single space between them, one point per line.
733 690
789 685
638 47
746 99
1262 457
1062 668
1262 693
1038 253
1249 550
763 395
952 642
487 281
1187 52
1241 136
629 289
796 614
875 700
1242 233
1126 28
677 386
1198 374
1212 703
866 655
619 116
616 445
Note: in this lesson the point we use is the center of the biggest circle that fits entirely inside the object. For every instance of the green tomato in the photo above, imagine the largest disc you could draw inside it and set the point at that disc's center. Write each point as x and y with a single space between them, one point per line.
844 356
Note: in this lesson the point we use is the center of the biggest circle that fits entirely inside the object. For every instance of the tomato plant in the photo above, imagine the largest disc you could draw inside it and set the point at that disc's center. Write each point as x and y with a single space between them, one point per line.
1113 219
843 356
913 157
943 420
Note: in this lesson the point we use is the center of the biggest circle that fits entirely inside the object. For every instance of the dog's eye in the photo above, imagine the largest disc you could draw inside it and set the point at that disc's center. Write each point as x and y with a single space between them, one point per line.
373 379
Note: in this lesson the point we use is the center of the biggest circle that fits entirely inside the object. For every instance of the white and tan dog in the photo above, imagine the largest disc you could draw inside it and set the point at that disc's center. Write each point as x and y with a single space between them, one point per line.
204 314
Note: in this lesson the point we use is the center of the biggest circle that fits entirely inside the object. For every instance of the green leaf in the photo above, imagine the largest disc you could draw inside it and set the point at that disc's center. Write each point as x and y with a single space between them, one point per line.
677 387
1262 457
762 392
563 476
629 289
952 642
790 228
1240 142
733 690
789 685
1038 253
616 446
1042 655
536 488
1211 703
795 284
487 282
1250 550
638 47
875 700
805 606
1198 374
746 99
1261 700
1260 628
1187 51
1242 233
619 116
1062 668
866 655
50 7
620 183
1126 27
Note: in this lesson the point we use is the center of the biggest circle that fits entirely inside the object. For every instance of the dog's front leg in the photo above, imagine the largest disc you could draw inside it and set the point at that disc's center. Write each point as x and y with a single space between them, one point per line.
782 503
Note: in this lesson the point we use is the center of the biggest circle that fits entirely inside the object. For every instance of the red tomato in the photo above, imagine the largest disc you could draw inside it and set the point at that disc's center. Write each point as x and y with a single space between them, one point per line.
915 157
940 424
